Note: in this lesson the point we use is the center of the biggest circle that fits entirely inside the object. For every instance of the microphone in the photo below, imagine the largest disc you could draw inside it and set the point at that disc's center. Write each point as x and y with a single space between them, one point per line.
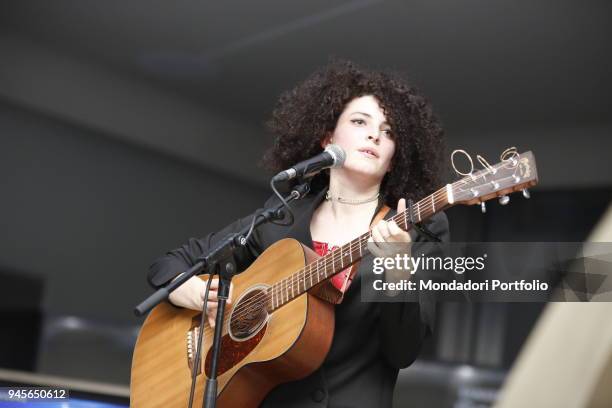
332 157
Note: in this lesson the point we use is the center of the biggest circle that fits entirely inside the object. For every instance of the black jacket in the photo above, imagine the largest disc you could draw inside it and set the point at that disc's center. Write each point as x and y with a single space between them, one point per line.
372 341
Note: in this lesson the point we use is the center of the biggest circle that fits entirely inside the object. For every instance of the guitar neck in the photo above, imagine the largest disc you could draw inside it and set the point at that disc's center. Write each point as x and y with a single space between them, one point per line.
341 258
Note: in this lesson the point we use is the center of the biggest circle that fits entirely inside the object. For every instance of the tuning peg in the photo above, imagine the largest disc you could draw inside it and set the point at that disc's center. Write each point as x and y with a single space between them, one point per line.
483 207
526 193
503 200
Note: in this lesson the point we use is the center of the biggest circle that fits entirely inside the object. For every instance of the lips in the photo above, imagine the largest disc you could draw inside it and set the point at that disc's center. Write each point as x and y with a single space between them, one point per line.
369 152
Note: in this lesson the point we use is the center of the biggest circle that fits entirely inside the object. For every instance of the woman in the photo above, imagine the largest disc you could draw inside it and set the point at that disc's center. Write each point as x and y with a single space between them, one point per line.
393 146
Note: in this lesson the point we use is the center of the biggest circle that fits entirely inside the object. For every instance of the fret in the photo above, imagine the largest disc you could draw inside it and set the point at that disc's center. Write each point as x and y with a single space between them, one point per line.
273 304
310 274
433 204
351 251
295 290
333 258
418 211
291 283
341 261
449 194
287 288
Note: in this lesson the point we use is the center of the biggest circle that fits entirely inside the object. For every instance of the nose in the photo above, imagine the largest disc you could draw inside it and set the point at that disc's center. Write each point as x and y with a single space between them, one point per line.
374 136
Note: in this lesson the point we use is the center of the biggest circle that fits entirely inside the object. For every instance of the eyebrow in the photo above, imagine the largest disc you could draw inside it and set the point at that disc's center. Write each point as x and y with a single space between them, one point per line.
369 116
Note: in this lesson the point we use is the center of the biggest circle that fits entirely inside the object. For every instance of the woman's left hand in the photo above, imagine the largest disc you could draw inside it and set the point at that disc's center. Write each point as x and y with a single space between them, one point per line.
389 240
388 232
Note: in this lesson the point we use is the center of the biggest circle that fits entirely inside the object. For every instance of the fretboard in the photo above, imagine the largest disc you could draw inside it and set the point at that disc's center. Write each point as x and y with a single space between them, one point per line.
287 289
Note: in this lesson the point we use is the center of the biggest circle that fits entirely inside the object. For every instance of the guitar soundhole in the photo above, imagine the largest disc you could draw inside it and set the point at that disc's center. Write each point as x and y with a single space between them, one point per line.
249 314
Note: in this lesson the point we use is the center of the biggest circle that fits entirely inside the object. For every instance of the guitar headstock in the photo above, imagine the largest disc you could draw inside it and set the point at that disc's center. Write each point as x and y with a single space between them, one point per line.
515 172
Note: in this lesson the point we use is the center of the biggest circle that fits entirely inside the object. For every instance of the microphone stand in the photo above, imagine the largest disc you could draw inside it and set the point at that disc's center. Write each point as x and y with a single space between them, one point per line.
210 262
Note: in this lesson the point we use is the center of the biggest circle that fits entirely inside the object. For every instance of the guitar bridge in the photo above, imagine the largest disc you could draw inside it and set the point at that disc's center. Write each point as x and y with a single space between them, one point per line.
192 342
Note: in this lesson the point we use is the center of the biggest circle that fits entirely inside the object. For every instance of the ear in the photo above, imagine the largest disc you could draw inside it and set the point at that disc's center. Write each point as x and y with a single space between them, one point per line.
327 139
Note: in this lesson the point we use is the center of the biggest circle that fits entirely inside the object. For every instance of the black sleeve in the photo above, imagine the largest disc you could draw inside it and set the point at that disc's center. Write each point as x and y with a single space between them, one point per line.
179 260
404 325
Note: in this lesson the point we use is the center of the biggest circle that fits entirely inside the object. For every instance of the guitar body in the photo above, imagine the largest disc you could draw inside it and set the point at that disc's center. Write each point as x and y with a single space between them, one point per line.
258 352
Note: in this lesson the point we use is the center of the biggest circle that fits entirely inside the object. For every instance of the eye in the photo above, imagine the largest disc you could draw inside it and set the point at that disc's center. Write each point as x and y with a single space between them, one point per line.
358 121
388 133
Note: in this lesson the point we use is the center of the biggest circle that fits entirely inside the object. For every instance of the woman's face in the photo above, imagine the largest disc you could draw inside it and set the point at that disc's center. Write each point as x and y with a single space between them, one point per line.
364 134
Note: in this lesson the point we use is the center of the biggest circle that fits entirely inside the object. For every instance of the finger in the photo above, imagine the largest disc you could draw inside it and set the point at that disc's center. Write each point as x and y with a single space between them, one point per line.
211 308
212 295
376 235
384 231
229 298
211 312
401 238
394 229
401 205
215 283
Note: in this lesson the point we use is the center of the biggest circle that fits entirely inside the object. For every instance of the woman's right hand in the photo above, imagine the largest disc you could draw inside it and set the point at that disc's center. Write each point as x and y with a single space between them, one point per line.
191 295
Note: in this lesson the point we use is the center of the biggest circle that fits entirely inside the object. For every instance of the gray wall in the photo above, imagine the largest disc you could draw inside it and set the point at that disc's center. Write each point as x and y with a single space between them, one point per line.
89 213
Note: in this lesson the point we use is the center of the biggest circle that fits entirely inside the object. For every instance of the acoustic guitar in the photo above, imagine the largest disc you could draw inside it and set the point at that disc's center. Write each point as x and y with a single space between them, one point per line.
276 330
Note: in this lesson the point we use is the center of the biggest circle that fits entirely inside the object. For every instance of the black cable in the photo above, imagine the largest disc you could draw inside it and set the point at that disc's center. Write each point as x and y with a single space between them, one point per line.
244 240
196 362
285 204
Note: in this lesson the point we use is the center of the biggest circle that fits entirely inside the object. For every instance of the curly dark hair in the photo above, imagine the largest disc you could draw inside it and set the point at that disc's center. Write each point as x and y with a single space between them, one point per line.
306 114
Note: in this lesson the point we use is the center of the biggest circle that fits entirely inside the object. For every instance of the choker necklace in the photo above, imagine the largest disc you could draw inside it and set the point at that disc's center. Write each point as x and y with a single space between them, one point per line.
328 197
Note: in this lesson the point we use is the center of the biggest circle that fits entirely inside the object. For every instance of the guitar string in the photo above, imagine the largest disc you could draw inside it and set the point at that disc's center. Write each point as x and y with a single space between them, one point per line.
329 259
208 331
258 300
262 298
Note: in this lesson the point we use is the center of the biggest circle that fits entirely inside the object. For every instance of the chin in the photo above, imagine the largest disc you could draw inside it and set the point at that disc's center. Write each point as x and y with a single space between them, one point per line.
364 170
